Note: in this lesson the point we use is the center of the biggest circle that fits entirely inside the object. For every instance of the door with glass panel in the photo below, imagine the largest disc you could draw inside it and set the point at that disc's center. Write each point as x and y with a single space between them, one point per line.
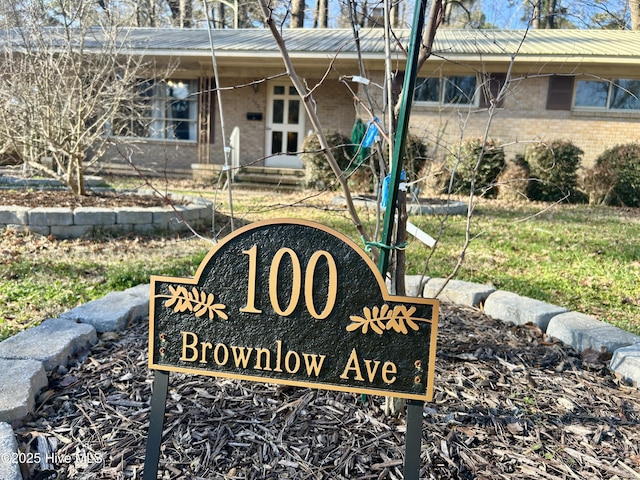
285 126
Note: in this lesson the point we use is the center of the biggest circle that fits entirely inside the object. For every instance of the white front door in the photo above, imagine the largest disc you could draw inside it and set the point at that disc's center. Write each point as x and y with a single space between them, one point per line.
285 126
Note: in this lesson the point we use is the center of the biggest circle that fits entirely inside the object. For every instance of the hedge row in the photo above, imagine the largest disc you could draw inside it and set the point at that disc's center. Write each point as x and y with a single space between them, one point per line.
546 171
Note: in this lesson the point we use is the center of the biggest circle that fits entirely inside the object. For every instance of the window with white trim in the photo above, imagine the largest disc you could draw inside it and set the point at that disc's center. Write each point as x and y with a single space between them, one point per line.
619 94
163 110
451 90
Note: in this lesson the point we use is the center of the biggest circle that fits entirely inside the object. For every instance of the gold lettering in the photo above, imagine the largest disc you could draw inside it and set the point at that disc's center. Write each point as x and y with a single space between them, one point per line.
352 364
266 354
225 355
278 356
250 307
191 346
389 368
371 373
312 364
241 355
332 292
296 282
204 346
296 367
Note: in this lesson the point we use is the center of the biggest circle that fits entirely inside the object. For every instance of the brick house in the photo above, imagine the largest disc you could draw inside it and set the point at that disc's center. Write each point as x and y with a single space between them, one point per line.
578 85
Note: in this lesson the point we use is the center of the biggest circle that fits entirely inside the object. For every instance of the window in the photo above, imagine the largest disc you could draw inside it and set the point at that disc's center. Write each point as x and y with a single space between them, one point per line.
620 94
163 110
453 90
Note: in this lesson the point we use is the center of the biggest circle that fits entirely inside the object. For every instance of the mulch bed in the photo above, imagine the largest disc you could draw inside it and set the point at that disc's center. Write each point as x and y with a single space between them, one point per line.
509 403
64 198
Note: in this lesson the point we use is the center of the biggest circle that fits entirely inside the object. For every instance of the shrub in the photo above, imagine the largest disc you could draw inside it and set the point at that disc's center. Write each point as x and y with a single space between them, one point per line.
318 173
415 158
554 171
513 183
461 166
8 156
598 184
416 153
615 178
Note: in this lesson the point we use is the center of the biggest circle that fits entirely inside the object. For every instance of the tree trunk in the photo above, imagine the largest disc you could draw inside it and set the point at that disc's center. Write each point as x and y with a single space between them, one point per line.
79 178
321 14
634 6
220 21
145 14
297 13
551 14
535 20
324 14
181 13
394 16
392 405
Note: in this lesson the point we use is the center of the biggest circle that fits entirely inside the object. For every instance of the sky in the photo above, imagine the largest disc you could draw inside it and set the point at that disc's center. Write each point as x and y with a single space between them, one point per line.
502 14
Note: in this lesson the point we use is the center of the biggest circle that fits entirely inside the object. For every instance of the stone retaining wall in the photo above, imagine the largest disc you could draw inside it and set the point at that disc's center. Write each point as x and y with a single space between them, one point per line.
65 222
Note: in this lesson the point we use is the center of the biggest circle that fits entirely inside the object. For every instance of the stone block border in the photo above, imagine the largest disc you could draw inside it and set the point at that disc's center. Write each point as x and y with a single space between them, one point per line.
25 357
65 222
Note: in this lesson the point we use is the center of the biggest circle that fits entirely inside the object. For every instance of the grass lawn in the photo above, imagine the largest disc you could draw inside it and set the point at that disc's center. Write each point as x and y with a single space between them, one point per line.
584 258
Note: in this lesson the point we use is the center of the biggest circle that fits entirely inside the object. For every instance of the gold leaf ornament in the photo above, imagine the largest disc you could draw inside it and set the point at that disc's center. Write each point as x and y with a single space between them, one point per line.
400 318
198 302
180 297
380 319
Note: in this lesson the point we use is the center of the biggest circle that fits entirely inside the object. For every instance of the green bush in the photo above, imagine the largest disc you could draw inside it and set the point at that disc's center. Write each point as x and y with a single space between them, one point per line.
615 178
415 157
554 171
490 161
318 173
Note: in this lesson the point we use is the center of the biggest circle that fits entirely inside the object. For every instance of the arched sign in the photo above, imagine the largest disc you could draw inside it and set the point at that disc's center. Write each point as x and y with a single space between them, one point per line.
295 303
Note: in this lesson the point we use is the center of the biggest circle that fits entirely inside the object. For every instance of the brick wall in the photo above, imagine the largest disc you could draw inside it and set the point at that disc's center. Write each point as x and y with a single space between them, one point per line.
334 106
525 119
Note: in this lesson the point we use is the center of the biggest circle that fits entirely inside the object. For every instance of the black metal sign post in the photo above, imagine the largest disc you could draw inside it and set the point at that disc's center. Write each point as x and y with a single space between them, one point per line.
289 302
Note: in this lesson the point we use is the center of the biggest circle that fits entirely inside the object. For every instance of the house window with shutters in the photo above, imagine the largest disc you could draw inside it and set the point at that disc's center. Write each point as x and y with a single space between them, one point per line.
619 94
579 94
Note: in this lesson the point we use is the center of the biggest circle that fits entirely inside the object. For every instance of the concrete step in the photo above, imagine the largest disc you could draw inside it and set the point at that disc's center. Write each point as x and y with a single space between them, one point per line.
269 178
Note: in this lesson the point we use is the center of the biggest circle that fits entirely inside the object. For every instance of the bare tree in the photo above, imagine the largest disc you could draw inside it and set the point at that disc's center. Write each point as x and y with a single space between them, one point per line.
64 91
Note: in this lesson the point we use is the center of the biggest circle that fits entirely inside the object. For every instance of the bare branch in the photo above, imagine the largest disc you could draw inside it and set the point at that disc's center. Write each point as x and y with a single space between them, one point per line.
308 102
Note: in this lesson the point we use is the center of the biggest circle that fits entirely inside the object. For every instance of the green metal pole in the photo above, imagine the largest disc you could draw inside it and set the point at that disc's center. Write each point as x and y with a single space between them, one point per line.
401 134
413 436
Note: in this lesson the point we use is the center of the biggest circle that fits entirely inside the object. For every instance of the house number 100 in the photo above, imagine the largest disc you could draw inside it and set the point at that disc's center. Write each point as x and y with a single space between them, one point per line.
296 286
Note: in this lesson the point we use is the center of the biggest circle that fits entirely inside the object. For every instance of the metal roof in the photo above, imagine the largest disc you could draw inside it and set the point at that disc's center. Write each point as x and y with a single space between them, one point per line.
583 45
539 43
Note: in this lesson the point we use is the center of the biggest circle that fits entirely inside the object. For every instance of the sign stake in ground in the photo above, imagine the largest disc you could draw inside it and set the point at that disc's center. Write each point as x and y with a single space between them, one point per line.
294 303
